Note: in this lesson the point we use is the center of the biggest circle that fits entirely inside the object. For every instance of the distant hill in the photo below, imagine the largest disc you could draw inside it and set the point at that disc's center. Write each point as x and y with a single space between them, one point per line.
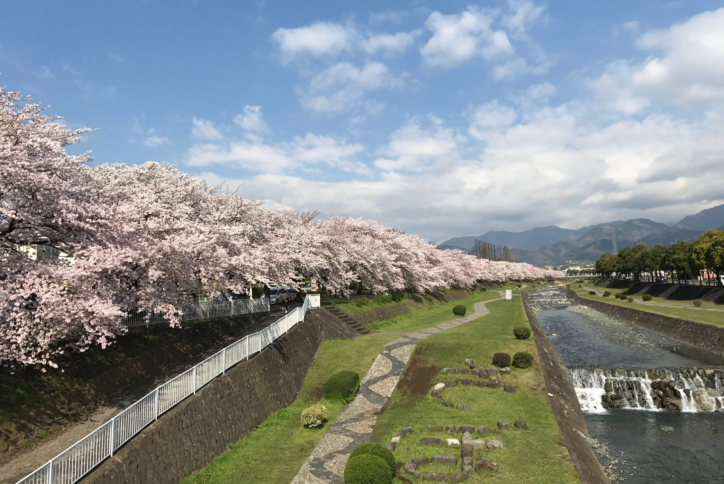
552 245
704 220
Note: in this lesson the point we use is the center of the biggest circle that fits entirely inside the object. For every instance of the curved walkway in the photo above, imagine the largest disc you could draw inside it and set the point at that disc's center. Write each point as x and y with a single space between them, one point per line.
353 426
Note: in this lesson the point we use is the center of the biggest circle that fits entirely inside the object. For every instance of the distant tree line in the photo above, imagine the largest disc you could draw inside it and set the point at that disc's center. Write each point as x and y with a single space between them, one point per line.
684 260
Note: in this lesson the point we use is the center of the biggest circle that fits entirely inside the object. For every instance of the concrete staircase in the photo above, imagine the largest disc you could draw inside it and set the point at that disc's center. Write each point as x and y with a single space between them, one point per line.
346 319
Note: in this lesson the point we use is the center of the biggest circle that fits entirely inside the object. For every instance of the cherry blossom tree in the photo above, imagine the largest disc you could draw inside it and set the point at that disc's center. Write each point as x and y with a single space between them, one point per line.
143 238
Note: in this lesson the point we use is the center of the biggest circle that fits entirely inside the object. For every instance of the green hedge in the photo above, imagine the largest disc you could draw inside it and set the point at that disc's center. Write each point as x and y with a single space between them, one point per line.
522 333
342 386
459 310
373 448
522 359
501 359
647 297
367 469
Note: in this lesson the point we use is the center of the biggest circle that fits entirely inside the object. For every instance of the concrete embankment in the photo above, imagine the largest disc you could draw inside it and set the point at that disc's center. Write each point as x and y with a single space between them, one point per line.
565 406
709 338
189 436
676 292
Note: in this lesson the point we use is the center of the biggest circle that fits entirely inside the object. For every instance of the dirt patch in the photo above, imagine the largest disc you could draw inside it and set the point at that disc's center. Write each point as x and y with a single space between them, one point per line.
415 379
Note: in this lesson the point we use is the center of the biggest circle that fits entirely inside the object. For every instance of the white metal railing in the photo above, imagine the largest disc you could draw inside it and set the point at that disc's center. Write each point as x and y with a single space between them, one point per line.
201 310
73 464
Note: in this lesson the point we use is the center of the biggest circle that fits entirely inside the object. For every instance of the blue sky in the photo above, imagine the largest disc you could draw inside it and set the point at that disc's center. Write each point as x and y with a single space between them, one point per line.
438 118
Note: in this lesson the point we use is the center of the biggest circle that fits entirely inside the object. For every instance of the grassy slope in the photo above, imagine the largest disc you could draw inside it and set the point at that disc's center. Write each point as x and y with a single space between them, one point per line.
535 455
274 452
683 310
430 316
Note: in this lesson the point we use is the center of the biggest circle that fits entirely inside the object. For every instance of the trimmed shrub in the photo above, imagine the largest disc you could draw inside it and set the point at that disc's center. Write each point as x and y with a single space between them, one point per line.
647 297
580 285
501 359
373 448
629 299
361 302
522 359
367 469
342 386
521 333
314 416
398 296
592 293
459 310
606 293
697 302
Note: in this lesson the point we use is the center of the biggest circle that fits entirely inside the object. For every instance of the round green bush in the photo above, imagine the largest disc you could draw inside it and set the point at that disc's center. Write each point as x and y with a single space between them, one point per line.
697 302
342 386
314 416
459 310
592 293
522 359
521 333
373 448
647 297
501 359
606 293
629 299
367 469
361 302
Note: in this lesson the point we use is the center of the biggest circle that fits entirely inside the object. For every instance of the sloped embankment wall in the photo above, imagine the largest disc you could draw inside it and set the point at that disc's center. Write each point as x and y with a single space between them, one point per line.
565 406
189 436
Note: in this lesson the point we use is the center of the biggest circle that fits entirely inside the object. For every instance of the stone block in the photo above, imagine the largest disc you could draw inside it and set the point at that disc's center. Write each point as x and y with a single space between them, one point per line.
495 444
467 436
458 477
453 443
391 446
420 461
439 387
410 466
436 428
451 429
480 372
436 397
451 383
407 431
503 425
493 379
449 370
448 404
466 382
396 439
463 371
432 442
509 388
466 450
448 460
520 425
462 406
468 469
477 444
486 465
467 428
505 371
434 477
467 461
492 371
469 362
482 430
479 383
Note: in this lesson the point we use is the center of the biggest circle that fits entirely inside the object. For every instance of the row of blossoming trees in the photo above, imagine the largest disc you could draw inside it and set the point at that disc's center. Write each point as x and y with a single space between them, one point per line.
140 237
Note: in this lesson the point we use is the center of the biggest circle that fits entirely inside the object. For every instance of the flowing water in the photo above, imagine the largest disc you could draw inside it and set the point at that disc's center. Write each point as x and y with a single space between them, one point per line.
655 402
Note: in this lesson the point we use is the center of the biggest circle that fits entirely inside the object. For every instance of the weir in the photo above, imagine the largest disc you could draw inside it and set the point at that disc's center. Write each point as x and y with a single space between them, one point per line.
678 389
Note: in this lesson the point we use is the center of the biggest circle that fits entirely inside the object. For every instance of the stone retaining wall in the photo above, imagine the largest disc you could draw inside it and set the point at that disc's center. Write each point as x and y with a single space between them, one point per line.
704 336
565 406
189 436
675 292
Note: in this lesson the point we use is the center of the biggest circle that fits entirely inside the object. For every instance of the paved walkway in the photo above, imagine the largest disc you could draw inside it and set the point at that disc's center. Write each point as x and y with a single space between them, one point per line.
353 426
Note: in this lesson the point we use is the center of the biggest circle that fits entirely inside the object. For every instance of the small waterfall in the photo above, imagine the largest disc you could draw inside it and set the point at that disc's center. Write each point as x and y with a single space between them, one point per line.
683 389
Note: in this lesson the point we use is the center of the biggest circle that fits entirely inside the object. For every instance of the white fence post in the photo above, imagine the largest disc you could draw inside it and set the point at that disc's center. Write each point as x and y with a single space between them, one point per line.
50 472
155 404
113 431
247 347
223 362
195 378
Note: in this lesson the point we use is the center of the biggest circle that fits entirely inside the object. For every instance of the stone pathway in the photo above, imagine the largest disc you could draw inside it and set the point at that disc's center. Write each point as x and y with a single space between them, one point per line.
353 426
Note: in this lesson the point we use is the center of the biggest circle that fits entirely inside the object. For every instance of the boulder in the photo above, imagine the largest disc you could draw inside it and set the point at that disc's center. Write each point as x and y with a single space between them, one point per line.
505 371
479 383
483 430
509 389
466 450
451 429
458 476
486 465
480 372
467 461
431 442
467 436
491 371
477 444
463 371
434 477
495 444
448 460
462 406
467 428
709 373
448 404
468 469
451 383
466 382
469 362
453 443
407 431
391 446
439 387
412 472
520 425
449 370
420 461
396 439
503 425
493 379
436 428
411 466
436 397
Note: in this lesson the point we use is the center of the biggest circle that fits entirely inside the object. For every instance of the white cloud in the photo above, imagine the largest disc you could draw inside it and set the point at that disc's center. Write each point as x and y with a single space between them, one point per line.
320 38
204 129
413 148
44 73
540 91
156 141
391 16
67 68
459 38
252 120
343 86
389 44
523 14
490 117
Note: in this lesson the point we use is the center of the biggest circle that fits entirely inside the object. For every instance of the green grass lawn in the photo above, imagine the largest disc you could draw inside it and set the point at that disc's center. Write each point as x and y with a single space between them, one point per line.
535 455
274 452
682 310
430 316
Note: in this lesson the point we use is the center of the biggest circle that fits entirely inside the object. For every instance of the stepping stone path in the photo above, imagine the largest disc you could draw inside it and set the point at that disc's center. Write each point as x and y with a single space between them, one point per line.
472 369
354 424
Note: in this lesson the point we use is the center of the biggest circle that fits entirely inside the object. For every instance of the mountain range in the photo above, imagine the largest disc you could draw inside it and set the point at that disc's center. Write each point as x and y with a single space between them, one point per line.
554 245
